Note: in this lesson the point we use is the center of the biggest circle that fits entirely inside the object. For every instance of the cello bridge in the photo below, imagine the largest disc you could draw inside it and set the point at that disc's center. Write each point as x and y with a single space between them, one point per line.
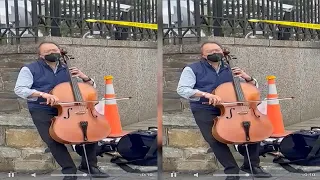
243 112
81 112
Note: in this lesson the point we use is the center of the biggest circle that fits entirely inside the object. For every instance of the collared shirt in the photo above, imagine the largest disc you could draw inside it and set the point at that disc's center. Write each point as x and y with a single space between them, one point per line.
25 81
187 81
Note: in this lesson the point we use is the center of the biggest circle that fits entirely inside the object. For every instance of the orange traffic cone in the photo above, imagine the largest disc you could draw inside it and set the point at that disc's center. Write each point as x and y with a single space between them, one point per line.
111 112
274 110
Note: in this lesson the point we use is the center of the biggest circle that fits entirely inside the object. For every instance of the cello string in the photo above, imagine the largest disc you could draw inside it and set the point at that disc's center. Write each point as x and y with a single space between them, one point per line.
76 89
236 83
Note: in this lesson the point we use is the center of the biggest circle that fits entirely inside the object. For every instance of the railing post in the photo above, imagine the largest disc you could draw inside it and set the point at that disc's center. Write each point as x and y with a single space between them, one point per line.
55 14
17 22
284 32
217 17
197 20
179 22
35 19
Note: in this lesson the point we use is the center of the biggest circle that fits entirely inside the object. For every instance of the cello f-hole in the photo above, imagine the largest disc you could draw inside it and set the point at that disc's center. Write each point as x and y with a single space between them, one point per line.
229 117
68 113
254 112
95 116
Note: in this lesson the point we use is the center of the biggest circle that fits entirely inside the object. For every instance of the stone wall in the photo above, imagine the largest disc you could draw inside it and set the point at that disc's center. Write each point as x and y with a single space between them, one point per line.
132 64
294 64
184 149
21 148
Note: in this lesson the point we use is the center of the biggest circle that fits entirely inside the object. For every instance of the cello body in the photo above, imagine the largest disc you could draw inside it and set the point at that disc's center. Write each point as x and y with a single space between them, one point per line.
77 123
66 127
229 127
240 123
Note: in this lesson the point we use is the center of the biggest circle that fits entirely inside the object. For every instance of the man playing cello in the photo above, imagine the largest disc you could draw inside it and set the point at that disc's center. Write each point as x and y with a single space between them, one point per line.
196 83
34 82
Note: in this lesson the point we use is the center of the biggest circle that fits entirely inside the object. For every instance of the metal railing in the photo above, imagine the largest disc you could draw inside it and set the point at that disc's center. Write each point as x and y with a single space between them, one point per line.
22 20
190 20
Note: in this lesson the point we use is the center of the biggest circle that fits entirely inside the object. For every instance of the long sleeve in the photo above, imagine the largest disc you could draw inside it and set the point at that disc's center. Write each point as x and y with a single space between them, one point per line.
186 85
24 84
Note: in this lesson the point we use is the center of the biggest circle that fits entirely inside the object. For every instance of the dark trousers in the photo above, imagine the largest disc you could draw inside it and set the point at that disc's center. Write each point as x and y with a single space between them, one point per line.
42 121
204 120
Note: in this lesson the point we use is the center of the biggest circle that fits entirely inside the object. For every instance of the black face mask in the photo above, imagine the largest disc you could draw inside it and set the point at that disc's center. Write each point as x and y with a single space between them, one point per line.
215 57
53 57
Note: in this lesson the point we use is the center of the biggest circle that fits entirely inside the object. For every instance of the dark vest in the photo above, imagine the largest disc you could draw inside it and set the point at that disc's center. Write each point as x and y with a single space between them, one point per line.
208 79
44 80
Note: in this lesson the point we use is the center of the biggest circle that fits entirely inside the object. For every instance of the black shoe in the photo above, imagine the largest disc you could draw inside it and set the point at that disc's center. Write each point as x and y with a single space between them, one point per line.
95 172
233 178
258 172
70 178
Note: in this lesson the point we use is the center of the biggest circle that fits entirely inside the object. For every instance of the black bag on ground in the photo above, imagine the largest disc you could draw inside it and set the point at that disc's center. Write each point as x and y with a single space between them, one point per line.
300 148
267 146
139 147
136 148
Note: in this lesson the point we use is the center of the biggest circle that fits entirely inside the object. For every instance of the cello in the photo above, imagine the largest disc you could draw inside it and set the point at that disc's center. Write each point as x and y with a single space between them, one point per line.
240 122
77 122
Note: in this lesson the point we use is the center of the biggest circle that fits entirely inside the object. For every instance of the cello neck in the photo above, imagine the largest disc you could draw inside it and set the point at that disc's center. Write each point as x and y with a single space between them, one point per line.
236 80
74 82
238 89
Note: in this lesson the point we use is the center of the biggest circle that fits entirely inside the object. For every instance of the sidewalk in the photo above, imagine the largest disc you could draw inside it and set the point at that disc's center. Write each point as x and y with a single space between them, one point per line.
277 171
142 125
113 170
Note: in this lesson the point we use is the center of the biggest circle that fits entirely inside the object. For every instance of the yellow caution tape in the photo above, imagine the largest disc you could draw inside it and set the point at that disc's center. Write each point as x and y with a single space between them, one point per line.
126 23
289 23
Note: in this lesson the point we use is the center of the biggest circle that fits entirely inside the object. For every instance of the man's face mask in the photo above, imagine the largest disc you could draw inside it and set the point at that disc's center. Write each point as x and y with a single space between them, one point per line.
53 57
215 57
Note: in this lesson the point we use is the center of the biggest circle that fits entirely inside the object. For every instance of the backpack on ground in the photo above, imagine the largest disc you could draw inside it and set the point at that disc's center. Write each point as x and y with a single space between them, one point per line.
300 148
135 148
